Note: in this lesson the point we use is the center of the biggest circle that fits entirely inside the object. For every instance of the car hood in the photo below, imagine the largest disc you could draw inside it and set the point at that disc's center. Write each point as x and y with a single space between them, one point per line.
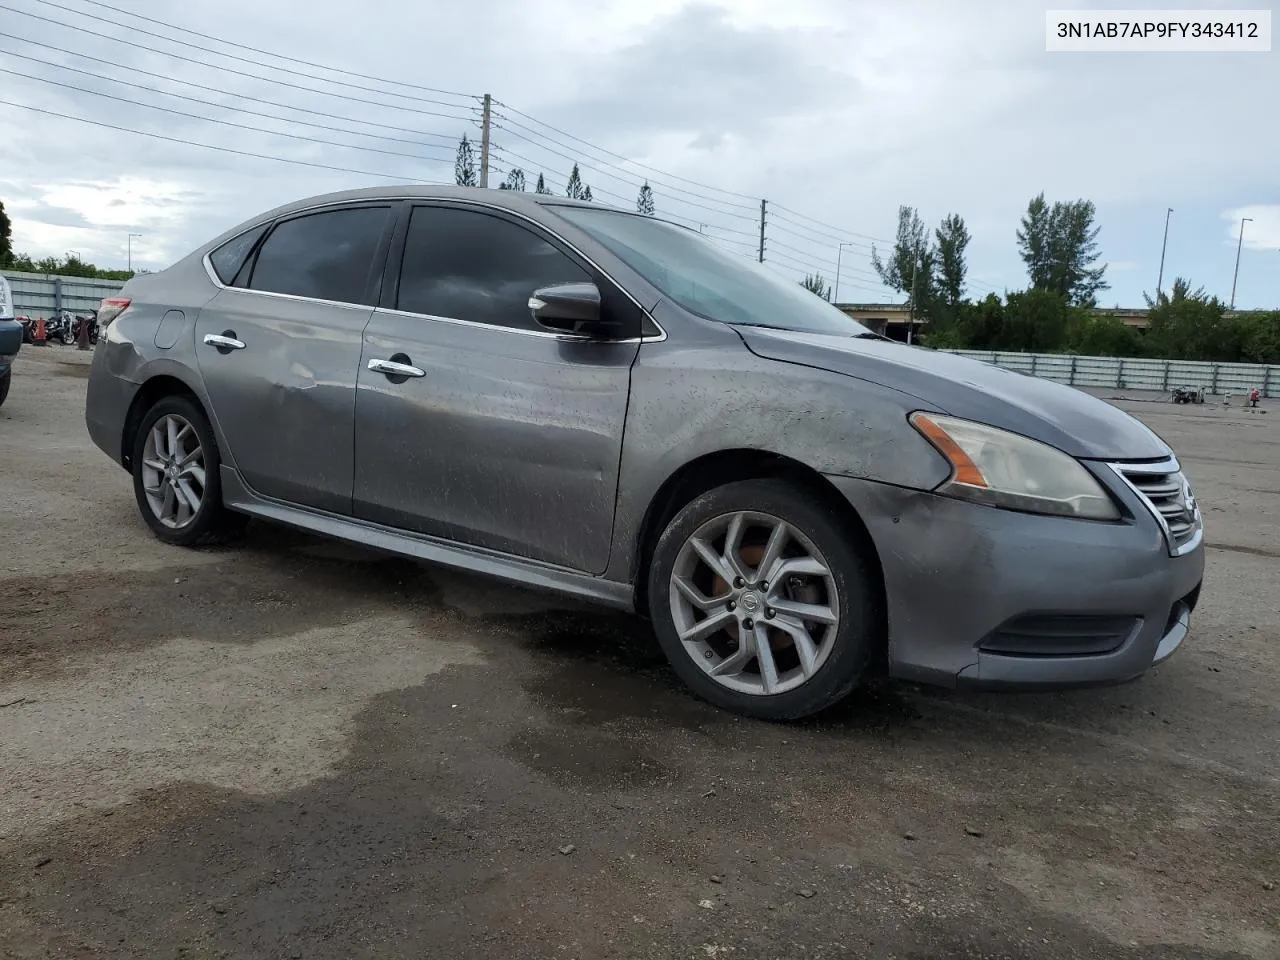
1053 413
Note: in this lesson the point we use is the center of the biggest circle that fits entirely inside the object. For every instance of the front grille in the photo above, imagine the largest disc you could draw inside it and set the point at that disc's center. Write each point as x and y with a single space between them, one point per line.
1167 493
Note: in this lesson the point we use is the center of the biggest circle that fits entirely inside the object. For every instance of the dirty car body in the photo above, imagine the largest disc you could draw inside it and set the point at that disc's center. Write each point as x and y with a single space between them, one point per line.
11 337
601 404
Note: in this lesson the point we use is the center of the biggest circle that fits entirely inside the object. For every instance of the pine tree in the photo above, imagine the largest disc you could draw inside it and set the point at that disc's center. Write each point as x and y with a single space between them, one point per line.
464 167
644 202
1059 245
814 283
514 181
542 186
573 190
586 194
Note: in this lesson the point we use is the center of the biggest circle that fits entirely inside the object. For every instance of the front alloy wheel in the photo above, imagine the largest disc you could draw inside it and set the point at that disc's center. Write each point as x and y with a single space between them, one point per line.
754 603
764 599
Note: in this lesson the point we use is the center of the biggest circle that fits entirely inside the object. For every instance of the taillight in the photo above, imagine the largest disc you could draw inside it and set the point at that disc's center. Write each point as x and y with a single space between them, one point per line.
111 308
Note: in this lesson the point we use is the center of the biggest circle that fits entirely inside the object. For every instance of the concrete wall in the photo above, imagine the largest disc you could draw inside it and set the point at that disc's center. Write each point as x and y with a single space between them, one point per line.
41 295
1133 374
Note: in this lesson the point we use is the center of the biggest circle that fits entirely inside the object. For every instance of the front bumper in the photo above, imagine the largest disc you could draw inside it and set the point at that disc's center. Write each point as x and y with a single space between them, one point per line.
971 590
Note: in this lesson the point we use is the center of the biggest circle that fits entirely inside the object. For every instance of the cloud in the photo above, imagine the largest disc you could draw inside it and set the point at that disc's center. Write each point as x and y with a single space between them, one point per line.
838 110
1263 233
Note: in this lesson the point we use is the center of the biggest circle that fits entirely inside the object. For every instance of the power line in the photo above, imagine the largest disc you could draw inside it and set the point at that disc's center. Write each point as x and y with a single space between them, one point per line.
625 159
227 123
220 106
231 56
225 93
280 56
614 176
822 223
224 69
209 146
649 180
810 237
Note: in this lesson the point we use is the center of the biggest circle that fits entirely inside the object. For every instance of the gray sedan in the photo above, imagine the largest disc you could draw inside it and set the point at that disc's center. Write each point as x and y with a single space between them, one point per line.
605 405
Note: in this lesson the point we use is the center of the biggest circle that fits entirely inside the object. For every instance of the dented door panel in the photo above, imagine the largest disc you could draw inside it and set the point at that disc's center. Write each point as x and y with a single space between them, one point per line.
286 402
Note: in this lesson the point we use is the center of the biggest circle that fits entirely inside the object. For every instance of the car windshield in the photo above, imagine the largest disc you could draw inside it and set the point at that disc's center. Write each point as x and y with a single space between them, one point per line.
706 280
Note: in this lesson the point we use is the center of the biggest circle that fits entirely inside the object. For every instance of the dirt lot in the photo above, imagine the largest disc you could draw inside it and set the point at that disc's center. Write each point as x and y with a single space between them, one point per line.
295 749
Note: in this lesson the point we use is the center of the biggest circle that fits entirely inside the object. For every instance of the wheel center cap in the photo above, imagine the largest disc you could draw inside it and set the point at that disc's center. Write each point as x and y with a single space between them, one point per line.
750 602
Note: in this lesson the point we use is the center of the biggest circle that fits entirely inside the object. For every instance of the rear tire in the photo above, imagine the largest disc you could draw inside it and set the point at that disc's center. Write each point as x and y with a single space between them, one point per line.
5 379
817 623
176 476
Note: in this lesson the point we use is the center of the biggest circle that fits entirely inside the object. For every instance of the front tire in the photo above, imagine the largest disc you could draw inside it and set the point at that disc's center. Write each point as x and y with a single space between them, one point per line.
764 600
5 379
176 476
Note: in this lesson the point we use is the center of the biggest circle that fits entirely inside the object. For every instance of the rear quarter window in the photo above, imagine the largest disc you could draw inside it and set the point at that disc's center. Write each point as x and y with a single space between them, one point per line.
229 258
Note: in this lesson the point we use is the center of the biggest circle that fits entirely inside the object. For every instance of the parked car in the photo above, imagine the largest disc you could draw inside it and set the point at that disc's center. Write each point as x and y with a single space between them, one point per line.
10 338
610 406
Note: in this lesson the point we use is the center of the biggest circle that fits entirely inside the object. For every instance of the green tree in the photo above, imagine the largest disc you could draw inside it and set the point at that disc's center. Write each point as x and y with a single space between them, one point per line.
586 194
6 238
903 263
1187 324
953 239
981 324
514 181
644 202
573 189
815 284
1059 245
911 265
542 186
1104 335
464 166
1260 337
1035 321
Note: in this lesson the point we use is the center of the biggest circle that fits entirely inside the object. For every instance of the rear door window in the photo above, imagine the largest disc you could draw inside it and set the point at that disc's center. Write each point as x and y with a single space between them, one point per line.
323 256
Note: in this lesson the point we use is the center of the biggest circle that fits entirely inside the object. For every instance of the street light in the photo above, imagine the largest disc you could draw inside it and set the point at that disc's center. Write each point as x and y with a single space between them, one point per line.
131 236
839 250
1239 244
1160 281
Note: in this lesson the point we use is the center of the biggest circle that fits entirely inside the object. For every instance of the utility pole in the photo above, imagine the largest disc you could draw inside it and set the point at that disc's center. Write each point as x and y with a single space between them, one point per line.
484 141
1160 280
131 236
911 313
839 250
1239 244
763 206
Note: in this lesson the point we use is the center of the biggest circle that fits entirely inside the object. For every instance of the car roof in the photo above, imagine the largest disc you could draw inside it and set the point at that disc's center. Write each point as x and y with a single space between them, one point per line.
510 199
516 200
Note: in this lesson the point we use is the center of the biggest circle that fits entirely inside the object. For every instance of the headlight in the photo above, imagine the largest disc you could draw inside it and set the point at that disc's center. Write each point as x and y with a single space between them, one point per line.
1003 469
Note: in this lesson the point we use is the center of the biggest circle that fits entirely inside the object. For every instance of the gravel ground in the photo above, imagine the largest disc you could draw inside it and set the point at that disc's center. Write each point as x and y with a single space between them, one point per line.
292 748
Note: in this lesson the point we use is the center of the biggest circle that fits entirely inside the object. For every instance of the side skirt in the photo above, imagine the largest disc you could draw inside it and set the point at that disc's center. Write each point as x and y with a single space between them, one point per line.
529 573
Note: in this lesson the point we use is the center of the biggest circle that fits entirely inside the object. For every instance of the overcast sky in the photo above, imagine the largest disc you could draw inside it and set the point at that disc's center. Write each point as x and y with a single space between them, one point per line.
836 111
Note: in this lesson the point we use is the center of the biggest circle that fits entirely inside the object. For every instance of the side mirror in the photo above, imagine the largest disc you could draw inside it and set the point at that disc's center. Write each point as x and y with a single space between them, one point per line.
572 308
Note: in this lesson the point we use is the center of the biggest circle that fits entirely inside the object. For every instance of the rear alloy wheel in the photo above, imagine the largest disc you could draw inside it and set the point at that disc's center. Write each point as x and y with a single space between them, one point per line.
176 476
763 602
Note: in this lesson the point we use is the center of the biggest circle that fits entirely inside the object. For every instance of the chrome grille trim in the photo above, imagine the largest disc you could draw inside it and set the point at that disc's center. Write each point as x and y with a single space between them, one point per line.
1165 492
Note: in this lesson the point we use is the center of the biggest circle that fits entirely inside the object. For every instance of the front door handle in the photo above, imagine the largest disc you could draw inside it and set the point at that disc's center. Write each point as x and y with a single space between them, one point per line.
393 368
224 341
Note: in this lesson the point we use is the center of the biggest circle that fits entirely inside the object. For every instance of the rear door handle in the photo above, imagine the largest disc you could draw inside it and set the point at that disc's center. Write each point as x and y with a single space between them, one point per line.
393 368
224 341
